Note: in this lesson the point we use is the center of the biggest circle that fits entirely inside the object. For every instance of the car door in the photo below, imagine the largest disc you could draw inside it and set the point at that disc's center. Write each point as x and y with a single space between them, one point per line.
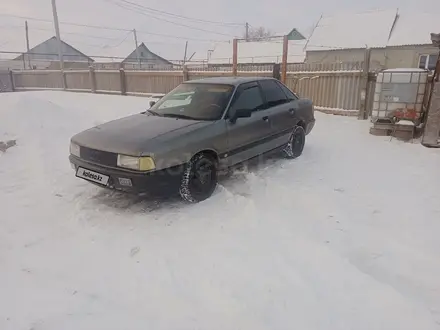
282 112
302 109
246 135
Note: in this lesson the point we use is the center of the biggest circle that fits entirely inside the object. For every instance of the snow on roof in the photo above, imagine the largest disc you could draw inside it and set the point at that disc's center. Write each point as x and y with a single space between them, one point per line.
352 30
414 29
259 52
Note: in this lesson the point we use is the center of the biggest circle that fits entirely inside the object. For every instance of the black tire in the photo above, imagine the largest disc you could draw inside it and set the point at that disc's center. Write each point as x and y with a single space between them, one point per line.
295 146
199 179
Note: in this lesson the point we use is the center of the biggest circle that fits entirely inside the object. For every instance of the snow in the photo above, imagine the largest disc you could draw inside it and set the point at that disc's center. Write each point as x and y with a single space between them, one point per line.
352 30
344 237
259 52
414 28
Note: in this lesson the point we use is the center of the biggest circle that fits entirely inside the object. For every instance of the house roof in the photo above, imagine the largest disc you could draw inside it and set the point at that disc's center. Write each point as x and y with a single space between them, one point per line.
375 29
294 34
50 39
143 47
352 30
259 52
414 28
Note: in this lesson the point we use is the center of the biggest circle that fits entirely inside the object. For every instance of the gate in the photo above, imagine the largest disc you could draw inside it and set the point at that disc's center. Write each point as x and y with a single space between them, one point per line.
5 82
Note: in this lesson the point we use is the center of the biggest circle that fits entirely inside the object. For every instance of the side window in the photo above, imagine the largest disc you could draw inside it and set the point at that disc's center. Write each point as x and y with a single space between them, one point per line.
290 95
274 94
248 98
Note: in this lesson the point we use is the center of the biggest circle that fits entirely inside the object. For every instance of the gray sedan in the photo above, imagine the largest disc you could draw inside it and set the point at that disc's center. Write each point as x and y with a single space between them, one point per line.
199 128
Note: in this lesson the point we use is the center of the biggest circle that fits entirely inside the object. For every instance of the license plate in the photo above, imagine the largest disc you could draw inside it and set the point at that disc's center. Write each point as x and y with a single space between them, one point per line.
92 176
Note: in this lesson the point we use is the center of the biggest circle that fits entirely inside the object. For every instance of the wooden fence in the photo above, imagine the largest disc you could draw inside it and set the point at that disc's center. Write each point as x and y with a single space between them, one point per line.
332 87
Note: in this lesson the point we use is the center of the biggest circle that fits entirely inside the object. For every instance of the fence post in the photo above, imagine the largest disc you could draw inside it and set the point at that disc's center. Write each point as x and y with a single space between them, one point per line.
234 57
92 77
276 71
123 81
363 113
284 61
64 80
185 73
11 79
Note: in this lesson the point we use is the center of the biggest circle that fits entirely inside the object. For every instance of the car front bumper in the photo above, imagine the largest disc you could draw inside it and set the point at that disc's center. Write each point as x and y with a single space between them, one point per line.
310 126
162 181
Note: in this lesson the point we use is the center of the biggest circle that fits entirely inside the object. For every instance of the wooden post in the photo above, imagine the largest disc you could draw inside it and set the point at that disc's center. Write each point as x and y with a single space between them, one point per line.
431 134
123 81
363 86
185 73
92 77
284 60
11 79
234 57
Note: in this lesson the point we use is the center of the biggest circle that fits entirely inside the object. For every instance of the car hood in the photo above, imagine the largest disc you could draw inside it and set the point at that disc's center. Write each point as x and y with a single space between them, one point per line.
134 134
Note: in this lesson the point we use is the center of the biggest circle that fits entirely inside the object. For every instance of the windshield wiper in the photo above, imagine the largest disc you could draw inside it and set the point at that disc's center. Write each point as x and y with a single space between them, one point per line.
177 115
154 113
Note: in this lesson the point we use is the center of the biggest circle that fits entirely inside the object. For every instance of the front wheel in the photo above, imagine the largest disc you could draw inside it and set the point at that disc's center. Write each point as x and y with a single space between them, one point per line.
295 146
199 179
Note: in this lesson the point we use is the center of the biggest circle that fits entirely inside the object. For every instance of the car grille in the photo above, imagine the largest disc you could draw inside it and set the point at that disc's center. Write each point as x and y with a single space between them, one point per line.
99 157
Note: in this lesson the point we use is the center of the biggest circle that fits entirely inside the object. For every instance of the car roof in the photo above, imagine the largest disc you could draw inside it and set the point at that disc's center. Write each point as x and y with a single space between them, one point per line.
235 81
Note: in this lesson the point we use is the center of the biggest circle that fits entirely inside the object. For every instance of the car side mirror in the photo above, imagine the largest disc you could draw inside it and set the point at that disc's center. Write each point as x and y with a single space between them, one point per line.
152 103
243 113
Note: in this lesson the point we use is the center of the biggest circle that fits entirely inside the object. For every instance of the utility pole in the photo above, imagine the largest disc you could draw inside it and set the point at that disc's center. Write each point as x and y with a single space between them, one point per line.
247 31
137 48
27 43
186 49
57 31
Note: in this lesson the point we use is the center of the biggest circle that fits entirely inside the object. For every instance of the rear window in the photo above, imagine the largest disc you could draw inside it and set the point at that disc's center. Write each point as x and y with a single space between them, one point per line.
274 94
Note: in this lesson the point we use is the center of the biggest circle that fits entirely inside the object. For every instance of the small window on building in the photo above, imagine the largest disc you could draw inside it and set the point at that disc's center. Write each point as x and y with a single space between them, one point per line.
428 61
142 54
422 61
432 61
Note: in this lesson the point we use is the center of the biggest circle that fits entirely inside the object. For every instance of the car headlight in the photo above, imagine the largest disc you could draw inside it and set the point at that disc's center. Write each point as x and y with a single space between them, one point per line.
136 163
75 149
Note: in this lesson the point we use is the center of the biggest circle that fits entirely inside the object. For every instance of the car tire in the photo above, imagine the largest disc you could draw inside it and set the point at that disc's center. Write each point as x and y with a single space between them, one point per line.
295 146
199 179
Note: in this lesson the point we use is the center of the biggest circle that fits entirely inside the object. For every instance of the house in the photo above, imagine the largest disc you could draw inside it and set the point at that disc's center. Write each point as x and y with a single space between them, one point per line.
396 40
147 60
45 56
260 52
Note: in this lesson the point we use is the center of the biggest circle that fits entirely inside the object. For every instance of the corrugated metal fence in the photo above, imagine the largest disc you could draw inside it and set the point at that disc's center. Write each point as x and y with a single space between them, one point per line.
330 86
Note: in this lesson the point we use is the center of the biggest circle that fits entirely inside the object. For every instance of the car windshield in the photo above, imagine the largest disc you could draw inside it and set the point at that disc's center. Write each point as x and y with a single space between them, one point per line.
195 101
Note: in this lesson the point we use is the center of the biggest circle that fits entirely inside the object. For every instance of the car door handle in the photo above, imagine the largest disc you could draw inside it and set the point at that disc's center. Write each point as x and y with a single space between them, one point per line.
292 110
266 118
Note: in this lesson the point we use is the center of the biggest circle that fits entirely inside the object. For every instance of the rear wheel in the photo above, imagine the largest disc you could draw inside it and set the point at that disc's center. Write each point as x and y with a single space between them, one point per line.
295 146
199 179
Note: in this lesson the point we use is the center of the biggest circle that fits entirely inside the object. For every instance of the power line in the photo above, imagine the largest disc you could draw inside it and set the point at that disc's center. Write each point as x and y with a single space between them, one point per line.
113 29
69 33
181 16
139 11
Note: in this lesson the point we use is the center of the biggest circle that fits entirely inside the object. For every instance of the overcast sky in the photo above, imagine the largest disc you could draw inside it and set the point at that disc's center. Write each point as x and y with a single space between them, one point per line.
276 15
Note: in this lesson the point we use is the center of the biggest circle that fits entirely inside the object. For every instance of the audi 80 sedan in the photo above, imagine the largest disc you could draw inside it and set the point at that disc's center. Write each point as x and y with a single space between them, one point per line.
188 136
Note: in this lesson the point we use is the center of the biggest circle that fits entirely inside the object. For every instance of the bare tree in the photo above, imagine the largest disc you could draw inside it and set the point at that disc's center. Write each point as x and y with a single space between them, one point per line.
259 33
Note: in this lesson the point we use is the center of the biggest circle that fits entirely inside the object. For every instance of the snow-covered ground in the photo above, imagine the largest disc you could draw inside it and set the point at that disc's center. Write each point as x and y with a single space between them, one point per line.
345 237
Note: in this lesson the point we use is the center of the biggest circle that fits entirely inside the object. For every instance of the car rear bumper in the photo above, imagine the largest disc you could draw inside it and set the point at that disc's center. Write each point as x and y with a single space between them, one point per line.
162 181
